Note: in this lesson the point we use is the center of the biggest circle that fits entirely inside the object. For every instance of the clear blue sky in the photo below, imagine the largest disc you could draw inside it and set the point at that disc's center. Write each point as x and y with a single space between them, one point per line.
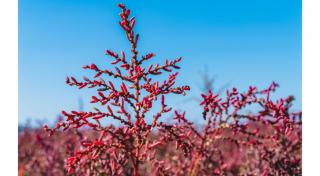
248 42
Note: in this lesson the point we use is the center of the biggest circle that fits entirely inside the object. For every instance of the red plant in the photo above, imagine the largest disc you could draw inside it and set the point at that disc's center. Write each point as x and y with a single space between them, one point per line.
265 142
135 97
272 136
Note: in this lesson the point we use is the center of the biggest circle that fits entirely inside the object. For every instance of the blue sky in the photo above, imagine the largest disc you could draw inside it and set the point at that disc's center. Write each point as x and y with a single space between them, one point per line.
242 43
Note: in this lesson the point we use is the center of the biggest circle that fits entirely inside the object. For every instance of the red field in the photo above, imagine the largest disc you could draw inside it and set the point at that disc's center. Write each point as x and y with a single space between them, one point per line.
233 141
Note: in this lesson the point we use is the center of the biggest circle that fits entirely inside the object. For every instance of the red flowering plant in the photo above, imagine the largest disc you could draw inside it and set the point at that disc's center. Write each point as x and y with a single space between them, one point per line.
233 142
128 145
236 142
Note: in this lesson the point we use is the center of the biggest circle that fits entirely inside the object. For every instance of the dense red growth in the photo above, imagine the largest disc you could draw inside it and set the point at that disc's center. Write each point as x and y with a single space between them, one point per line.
232 141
